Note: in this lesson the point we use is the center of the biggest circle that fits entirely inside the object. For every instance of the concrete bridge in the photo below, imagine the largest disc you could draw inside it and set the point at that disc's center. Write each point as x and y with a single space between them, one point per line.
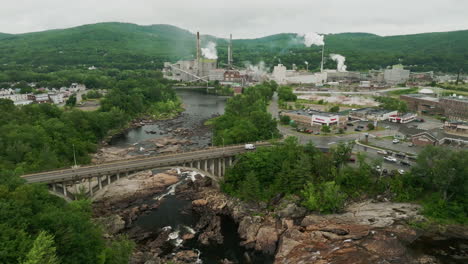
88 180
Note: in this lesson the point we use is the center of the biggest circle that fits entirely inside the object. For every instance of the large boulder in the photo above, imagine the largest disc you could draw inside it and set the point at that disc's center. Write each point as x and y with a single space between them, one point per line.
266 240
248 229
112 224
292 211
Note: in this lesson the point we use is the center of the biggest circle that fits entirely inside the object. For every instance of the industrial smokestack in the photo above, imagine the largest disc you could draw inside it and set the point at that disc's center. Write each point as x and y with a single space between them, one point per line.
321 64
198 46
230 52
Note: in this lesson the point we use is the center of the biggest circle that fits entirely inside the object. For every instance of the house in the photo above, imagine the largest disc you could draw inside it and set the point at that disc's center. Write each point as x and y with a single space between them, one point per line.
373 114
456 128
39 98
423 139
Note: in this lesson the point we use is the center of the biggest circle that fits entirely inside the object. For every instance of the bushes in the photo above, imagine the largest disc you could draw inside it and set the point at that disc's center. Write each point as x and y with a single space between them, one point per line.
246 118
326 197
284 119
285 93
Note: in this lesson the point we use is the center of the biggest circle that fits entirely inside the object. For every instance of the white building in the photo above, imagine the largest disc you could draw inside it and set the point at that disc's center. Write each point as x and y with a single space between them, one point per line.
15 97
396 75
325 119
406 118
281 75
56 98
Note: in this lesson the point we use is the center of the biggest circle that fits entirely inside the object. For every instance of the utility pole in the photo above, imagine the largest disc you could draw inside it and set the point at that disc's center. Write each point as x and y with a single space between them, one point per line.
74 155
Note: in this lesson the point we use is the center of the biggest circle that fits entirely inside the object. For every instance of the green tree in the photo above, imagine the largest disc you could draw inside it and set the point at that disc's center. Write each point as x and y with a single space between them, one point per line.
71 100
334 109
284 119
370 126
325 129
42 251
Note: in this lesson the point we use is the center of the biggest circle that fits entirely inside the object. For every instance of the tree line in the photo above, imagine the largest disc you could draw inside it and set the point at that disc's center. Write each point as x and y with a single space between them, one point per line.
37 227
324 182
246 118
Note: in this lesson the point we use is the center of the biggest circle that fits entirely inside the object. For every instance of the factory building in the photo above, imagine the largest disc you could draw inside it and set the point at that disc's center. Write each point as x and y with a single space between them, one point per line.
348 77
396 75
190 70
282 75
452 107
455 108
422 103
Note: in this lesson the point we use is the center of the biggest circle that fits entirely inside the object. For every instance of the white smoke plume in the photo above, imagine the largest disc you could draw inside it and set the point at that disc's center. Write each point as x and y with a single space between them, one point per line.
312 38
340 62
209 51
258 71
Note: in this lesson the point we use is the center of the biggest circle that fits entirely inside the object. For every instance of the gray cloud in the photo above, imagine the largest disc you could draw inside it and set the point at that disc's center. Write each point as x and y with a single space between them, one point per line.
243 18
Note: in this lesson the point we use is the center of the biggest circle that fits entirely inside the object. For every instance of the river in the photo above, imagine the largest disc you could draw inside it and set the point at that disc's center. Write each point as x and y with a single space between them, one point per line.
172 212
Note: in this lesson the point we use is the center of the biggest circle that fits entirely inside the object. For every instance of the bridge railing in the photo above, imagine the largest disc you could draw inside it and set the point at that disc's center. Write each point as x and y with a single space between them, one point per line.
116 162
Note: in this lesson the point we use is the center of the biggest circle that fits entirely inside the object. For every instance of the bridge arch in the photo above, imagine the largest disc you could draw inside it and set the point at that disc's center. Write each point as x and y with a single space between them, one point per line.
214 168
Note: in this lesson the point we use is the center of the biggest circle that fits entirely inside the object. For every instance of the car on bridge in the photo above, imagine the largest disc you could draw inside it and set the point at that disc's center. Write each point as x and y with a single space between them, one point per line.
249 146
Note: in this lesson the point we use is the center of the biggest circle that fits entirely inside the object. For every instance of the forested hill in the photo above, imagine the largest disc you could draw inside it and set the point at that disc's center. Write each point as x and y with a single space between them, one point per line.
4 35
126 45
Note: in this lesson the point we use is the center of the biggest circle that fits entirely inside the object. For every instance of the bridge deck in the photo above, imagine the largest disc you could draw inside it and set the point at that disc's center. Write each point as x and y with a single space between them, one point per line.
135 164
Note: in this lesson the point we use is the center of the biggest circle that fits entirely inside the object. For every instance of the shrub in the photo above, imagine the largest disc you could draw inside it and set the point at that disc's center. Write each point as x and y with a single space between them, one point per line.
326 197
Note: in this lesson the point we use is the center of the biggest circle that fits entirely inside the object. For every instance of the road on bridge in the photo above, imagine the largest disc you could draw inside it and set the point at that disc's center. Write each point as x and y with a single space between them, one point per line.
135 164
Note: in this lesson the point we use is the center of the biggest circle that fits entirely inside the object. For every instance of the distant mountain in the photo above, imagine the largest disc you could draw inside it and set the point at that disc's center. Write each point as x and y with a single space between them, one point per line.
4 35
128 45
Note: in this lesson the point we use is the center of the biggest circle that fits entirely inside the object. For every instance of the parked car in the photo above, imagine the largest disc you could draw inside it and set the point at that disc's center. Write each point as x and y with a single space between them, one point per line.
357 129
419 120
382 152
401 171
317 133
390 159
378 169
249 146
350 124
411 144
396 141
405 163
400 155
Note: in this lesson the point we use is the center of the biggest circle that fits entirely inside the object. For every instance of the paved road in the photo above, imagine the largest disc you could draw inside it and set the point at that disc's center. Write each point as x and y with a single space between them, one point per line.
376 92
134 164
325 142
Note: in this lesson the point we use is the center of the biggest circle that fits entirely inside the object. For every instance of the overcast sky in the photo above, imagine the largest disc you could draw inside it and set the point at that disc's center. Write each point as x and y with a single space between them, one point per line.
243 18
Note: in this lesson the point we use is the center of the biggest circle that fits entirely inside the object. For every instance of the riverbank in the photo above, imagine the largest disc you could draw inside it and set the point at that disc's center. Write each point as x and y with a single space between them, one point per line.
169 214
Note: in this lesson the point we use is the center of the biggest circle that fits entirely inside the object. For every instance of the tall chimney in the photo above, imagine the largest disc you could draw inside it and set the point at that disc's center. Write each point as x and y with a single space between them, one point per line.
321 64
230 52
198 46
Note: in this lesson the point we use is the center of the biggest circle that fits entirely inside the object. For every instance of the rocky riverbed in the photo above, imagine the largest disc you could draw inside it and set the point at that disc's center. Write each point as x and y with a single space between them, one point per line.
367 232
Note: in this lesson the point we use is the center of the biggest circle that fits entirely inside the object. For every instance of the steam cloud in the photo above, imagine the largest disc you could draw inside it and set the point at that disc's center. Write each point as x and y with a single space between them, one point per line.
340 62
258 72
312 38
209 51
